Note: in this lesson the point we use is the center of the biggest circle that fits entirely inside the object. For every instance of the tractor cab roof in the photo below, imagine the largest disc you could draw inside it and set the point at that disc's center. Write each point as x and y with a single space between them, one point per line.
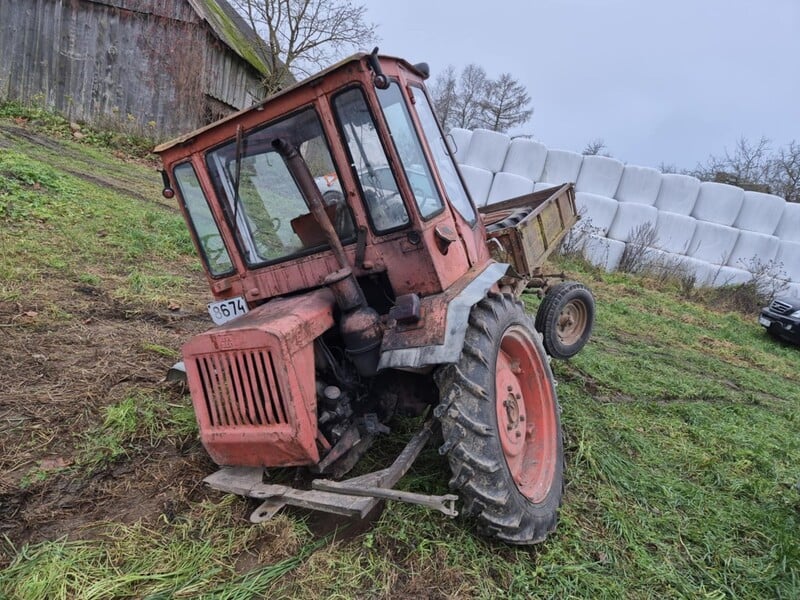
360 57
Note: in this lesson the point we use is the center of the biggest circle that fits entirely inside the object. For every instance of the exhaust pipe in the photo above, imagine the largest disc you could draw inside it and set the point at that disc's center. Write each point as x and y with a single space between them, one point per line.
360 323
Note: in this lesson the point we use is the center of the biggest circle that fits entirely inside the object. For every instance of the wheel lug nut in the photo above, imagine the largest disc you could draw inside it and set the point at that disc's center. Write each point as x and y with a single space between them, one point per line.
517 396
510 389
519 433
522 417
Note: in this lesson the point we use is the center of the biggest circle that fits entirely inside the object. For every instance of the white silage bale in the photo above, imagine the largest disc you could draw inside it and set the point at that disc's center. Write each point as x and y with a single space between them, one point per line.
718 203
487 150
543 185
678 193
704 272
760 212
458 139
681 266
631 217
789 226
603 252
599 175
712 242
753 249
507 185
787 259
561 166
674 232
597 212
479 182
525 157
639 185
726 275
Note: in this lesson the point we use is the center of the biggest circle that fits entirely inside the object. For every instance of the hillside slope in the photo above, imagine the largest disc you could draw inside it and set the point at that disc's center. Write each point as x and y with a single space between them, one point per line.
680 427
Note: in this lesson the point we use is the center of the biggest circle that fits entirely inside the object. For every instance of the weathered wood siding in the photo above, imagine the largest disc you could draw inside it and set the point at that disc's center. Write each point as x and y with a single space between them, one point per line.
148 65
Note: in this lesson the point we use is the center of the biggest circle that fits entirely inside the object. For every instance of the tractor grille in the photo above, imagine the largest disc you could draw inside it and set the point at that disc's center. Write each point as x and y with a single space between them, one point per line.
241 388
780 307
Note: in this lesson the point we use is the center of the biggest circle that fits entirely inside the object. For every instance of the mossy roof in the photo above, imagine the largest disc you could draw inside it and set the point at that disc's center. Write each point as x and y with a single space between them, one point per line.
233 30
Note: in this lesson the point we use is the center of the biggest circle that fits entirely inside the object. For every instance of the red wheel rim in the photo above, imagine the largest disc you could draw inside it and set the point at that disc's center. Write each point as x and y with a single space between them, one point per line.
526 414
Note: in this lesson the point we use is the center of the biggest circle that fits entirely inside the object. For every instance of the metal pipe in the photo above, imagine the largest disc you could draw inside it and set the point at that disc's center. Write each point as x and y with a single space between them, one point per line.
305 181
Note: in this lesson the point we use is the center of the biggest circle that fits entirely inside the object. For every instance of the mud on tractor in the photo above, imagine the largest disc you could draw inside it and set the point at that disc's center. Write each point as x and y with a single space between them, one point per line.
354 280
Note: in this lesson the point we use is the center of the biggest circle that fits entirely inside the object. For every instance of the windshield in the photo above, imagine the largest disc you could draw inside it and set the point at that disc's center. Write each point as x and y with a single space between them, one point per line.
272 219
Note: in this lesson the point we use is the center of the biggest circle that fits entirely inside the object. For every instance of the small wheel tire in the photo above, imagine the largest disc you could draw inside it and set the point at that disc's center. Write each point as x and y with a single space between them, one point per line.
565 319
500 423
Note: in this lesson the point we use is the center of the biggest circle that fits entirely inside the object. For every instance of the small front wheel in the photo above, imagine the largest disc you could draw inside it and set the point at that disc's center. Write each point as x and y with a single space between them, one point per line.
565 319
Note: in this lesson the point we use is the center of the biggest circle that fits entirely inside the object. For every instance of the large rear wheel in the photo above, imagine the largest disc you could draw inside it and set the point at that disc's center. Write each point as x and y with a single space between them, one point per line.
500 420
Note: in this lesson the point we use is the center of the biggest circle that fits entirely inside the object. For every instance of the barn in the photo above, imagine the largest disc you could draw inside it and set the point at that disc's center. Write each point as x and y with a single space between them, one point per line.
154 67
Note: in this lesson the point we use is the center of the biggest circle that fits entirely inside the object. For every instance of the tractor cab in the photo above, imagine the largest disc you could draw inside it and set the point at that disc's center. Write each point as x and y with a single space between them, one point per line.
366 131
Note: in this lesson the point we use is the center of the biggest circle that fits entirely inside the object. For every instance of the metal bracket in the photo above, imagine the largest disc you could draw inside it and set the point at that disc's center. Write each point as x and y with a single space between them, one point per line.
444 504
354 497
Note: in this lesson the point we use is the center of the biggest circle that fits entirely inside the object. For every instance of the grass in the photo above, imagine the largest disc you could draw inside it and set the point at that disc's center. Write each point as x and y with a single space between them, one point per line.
184 558
136 423
680 426
53 220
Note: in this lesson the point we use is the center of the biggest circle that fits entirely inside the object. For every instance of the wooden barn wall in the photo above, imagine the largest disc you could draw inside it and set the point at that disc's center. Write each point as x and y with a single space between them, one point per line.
147 67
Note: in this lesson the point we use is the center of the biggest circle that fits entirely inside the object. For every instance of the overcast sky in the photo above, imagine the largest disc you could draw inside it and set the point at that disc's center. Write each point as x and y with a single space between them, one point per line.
659 82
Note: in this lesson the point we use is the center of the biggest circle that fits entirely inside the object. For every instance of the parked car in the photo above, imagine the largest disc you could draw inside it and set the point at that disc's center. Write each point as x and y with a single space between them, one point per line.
782 318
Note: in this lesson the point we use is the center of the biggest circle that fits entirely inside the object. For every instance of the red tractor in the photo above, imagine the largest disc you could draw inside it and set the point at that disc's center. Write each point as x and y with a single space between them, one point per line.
354 280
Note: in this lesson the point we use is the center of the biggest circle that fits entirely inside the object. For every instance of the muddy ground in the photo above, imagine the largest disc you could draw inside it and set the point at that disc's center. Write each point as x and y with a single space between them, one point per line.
56 380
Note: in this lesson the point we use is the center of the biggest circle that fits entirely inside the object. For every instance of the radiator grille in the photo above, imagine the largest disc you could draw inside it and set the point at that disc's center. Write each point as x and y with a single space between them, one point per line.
241 388
781 307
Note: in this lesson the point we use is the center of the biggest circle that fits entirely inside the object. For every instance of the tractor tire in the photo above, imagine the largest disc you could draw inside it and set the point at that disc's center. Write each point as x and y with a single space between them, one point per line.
565 319
501 427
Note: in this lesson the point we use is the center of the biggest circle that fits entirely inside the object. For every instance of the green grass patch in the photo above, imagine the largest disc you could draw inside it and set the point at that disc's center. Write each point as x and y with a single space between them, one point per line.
185 558
132 425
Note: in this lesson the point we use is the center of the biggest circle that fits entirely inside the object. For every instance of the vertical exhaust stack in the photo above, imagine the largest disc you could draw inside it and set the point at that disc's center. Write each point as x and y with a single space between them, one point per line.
360 324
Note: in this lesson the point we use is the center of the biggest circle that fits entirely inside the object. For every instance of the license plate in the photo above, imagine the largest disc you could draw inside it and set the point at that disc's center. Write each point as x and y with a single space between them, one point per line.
764 321
223 311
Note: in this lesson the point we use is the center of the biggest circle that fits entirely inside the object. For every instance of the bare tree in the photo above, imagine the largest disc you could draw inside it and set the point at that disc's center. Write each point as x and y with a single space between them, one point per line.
444 91
756 166
470 99
301 36
505 104
471 92
596 147
785 180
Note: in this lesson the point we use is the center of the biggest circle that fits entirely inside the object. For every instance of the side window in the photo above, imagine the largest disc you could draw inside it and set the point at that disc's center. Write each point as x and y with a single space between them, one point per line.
214 251
444 162
369 163
408 146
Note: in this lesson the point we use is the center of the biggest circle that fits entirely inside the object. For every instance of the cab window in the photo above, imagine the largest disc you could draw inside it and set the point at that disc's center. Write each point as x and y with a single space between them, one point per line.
202 221
369 163
408 146
453 186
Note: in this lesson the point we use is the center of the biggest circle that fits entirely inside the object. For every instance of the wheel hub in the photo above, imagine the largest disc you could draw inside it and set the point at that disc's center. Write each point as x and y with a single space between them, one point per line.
572 322
526 418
